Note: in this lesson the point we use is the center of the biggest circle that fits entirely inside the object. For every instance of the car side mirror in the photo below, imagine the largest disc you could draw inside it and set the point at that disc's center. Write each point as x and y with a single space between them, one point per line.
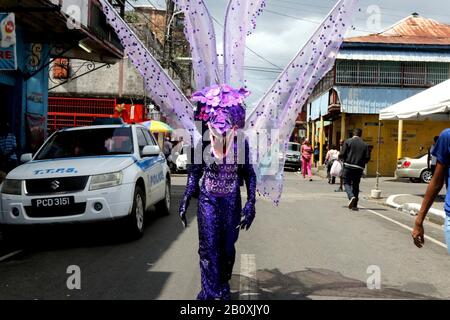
149 151
27 157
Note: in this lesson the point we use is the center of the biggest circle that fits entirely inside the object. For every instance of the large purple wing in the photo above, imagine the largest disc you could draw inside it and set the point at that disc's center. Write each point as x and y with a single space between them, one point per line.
199 31
240 21
271 123
160 87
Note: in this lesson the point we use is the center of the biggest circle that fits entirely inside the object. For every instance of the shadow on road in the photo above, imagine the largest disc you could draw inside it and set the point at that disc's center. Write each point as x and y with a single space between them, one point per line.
317 284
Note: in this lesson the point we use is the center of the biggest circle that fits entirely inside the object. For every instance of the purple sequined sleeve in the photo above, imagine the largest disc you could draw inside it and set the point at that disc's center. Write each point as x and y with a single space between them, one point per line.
249 176
195 173
192 188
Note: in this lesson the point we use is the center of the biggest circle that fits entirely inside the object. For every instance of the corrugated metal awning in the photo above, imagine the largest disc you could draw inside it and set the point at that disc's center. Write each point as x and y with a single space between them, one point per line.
358 100
392 55
319 107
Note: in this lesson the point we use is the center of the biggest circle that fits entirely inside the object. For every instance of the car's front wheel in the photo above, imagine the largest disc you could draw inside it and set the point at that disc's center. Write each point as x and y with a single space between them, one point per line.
135 221
163 206
426 176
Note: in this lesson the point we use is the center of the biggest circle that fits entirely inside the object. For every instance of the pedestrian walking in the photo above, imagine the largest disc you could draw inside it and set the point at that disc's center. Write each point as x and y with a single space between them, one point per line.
307 152
316 155
8 149
341 180
441 152
330 158
355 155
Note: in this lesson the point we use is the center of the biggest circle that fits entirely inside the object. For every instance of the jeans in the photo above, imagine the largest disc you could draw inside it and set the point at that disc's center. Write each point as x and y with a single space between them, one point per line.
447 230
352 179
329 177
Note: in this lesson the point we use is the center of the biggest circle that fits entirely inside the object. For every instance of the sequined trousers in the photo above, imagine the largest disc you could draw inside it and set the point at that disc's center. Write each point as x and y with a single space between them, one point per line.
219 213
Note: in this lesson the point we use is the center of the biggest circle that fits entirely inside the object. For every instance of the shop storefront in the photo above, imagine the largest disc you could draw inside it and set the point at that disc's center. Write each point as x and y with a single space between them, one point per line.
23 84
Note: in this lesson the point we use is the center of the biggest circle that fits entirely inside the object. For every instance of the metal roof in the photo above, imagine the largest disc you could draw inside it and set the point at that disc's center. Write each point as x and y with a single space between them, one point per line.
360 100
411 30
393 55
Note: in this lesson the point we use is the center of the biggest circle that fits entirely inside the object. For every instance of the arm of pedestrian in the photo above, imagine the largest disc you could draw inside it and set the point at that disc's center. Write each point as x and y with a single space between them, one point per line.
435 186
367 154
343 152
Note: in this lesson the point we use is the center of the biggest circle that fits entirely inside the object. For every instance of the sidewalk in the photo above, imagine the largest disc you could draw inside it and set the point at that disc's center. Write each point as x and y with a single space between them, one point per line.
409 203
399 194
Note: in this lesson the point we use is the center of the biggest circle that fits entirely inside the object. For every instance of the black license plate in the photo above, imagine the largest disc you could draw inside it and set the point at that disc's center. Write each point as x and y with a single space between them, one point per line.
53 202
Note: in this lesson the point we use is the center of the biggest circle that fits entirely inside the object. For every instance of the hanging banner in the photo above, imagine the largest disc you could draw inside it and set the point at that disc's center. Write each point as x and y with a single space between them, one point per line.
8 59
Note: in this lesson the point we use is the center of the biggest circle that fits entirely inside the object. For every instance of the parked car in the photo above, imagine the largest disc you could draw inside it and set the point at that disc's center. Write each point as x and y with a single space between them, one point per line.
96 173
416 169
293 156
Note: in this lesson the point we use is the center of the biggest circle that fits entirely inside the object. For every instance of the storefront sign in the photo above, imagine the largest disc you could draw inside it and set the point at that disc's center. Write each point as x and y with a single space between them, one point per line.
8 59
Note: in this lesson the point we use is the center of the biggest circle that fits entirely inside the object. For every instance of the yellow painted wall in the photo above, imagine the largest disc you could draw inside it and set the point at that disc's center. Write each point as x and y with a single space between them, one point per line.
417 138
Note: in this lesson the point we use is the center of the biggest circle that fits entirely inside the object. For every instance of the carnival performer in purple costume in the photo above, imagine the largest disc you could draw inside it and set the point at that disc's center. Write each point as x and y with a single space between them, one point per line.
220 212
221 110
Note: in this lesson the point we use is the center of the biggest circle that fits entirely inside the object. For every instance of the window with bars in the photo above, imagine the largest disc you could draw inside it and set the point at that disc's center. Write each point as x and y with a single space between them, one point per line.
384 73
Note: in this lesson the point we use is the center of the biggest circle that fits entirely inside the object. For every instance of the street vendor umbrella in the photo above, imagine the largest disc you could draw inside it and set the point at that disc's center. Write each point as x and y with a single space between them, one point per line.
157 126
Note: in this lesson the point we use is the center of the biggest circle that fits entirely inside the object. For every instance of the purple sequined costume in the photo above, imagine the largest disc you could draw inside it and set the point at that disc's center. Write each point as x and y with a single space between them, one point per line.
221 108
220 210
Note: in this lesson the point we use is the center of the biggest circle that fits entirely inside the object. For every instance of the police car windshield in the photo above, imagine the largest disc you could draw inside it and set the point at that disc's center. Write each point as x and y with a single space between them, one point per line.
87 143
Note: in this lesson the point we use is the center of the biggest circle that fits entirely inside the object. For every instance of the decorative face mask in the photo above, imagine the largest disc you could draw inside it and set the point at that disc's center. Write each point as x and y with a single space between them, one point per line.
221 108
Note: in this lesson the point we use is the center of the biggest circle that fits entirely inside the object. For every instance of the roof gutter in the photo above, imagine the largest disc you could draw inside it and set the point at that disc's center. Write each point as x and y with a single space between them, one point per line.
384 46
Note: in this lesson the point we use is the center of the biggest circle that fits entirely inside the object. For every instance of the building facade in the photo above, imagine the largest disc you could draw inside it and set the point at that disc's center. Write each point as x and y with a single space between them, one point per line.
374 72
121 83
46 30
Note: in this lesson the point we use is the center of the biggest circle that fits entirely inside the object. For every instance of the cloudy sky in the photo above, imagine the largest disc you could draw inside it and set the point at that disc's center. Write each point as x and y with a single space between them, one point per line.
286 25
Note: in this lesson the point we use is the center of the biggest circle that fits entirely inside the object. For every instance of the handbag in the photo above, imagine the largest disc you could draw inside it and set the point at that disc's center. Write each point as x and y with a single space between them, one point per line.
336 169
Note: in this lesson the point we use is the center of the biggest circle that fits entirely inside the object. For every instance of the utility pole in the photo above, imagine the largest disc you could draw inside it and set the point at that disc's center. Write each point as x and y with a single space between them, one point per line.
145 89
168 41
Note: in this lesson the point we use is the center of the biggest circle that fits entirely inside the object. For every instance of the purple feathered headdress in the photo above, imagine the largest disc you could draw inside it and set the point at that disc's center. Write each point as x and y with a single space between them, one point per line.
221 106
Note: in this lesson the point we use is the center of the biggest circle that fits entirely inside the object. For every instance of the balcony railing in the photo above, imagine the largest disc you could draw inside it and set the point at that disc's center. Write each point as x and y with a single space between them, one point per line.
410 74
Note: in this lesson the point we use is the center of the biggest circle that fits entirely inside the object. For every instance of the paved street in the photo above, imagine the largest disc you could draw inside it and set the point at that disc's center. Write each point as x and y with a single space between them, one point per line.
311 247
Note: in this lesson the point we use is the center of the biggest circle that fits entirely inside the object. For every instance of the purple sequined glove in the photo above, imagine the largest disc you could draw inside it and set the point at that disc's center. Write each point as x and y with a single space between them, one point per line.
249 176
192 189
248 214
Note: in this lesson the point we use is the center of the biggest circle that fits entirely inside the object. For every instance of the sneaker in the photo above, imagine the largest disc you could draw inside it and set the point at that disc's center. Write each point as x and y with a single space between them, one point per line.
355 209
352 203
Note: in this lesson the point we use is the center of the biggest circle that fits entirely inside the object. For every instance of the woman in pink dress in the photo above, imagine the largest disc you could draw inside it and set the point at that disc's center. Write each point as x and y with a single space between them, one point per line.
307 152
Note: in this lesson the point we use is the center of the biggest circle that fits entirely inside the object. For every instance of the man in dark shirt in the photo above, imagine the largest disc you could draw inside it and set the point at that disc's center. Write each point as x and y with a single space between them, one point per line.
167 147
355 155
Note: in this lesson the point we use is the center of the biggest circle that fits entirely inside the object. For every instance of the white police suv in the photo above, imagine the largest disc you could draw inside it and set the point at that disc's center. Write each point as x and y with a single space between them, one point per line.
89 174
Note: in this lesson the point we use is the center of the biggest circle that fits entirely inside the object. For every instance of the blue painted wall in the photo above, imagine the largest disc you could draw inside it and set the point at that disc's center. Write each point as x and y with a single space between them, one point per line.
26 95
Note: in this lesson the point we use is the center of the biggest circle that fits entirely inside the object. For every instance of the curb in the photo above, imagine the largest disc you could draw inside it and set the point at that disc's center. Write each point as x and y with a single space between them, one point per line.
434 215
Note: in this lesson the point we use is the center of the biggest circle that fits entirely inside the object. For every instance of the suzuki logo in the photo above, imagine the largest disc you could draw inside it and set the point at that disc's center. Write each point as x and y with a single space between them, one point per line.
54 185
